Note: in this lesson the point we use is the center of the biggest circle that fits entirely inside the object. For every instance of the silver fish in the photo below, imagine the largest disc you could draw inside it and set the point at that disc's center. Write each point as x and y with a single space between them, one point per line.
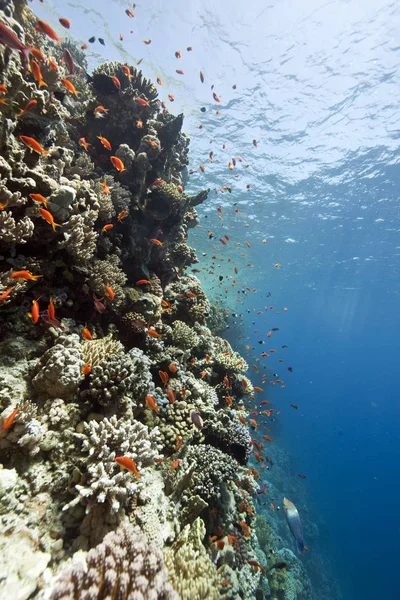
197 420
293 519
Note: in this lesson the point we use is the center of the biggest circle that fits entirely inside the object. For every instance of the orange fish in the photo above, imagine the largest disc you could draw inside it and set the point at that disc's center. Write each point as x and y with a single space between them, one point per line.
105 142
100 111
174 464
227 382
107 227
258 389
151 403
139 124
178 54
32 144
69 87
173 368
272 507
156 242
3 89
53 64
241 419
216 97
180 72
29 106
10 420
109 292
277 265
228 400
263 402
171 98
245 528
106 189
254 423
24 276
86 333
122 215
127 463
141 101
38 198
180 442
153 333
51 311
117 163
164 377
82 142
130 13
44 28
143 282
171 396
48 217
65 22
116 81
86 369
5 294
127 71
35 312
268 439
265 354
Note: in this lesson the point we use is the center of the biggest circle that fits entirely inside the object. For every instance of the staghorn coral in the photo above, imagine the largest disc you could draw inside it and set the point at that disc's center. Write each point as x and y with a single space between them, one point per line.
124 565
190 569
15 232
103 482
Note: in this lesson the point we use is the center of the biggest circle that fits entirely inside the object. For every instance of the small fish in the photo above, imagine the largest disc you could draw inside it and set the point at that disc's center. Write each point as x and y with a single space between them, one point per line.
10 39
102 42
153 333
130 13
139 124
156 242
82 142
258 389
117 163
99 306
245 528
126 70
29 106
122 215
290 369
301 476
151 403
84 47
170 396
10 420
48 217
180 442
86 333
92 39
38 198
45 29
180 72
293 519
164 377
104 141
32 144
24 276
178 54
109 292
69 87
171 98
104 185
294 406
173 368
86 369
159 81
216 97
100 111
5 294
53 64
116 81
143 282
35 311
141 101
51 311
268 439
272 507
107 227
127 463
65 22
68 61
147 42
255 143
197 420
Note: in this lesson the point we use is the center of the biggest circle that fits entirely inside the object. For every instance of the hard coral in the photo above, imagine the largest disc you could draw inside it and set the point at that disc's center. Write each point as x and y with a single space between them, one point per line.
123 566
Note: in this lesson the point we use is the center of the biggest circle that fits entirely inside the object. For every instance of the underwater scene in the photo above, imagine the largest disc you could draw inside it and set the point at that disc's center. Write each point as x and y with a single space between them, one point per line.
199 297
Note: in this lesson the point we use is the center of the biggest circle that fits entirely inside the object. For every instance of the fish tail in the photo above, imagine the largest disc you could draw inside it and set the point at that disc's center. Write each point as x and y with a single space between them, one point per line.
54 225
36 277
42 83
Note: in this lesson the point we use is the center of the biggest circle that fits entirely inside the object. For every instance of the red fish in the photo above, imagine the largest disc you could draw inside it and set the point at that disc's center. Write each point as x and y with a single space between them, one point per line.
32 144
117 163
38 198
48 217
44 28
141 101
116 81
35 312
5 294
107 227
24 276
10 420
127 463
109 292
9 38
105 142
65 22
68 61
151 403
86 333
29 106
164 377
51 311
69 87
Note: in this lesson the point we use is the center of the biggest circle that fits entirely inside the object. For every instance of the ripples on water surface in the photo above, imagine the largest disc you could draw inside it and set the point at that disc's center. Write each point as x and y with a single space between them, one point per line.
317 86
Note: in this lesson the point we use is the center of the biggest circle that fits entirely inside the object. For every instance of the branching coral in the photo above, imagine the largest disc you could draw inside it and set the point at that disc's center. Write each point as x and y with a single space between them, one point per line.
103 482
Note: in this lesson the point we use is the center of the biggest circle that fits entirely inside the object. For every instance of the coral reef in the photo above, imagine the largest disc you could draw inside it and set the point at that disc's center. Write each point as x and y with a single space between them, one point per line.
123 431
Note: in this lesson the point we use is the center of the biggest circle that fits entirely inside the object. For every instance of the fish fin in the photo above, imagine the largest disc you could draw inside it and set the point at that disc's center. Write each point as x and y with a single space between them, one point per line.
42 83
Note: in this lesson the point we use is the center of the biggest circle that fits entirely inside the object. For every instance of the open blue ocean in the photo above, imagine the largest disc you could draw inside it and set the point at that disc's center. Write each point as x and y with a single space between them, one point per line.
298 242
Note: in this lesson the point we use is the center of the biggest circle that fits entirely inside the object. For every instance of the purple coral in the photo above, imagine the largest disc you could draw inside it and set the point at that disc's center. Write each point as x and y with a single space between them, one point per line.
123 567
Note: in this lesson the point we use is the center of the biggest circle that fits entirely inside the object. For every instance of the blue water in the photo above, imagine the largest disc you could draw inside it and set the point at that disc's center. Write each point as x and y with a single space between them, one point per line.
317 87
